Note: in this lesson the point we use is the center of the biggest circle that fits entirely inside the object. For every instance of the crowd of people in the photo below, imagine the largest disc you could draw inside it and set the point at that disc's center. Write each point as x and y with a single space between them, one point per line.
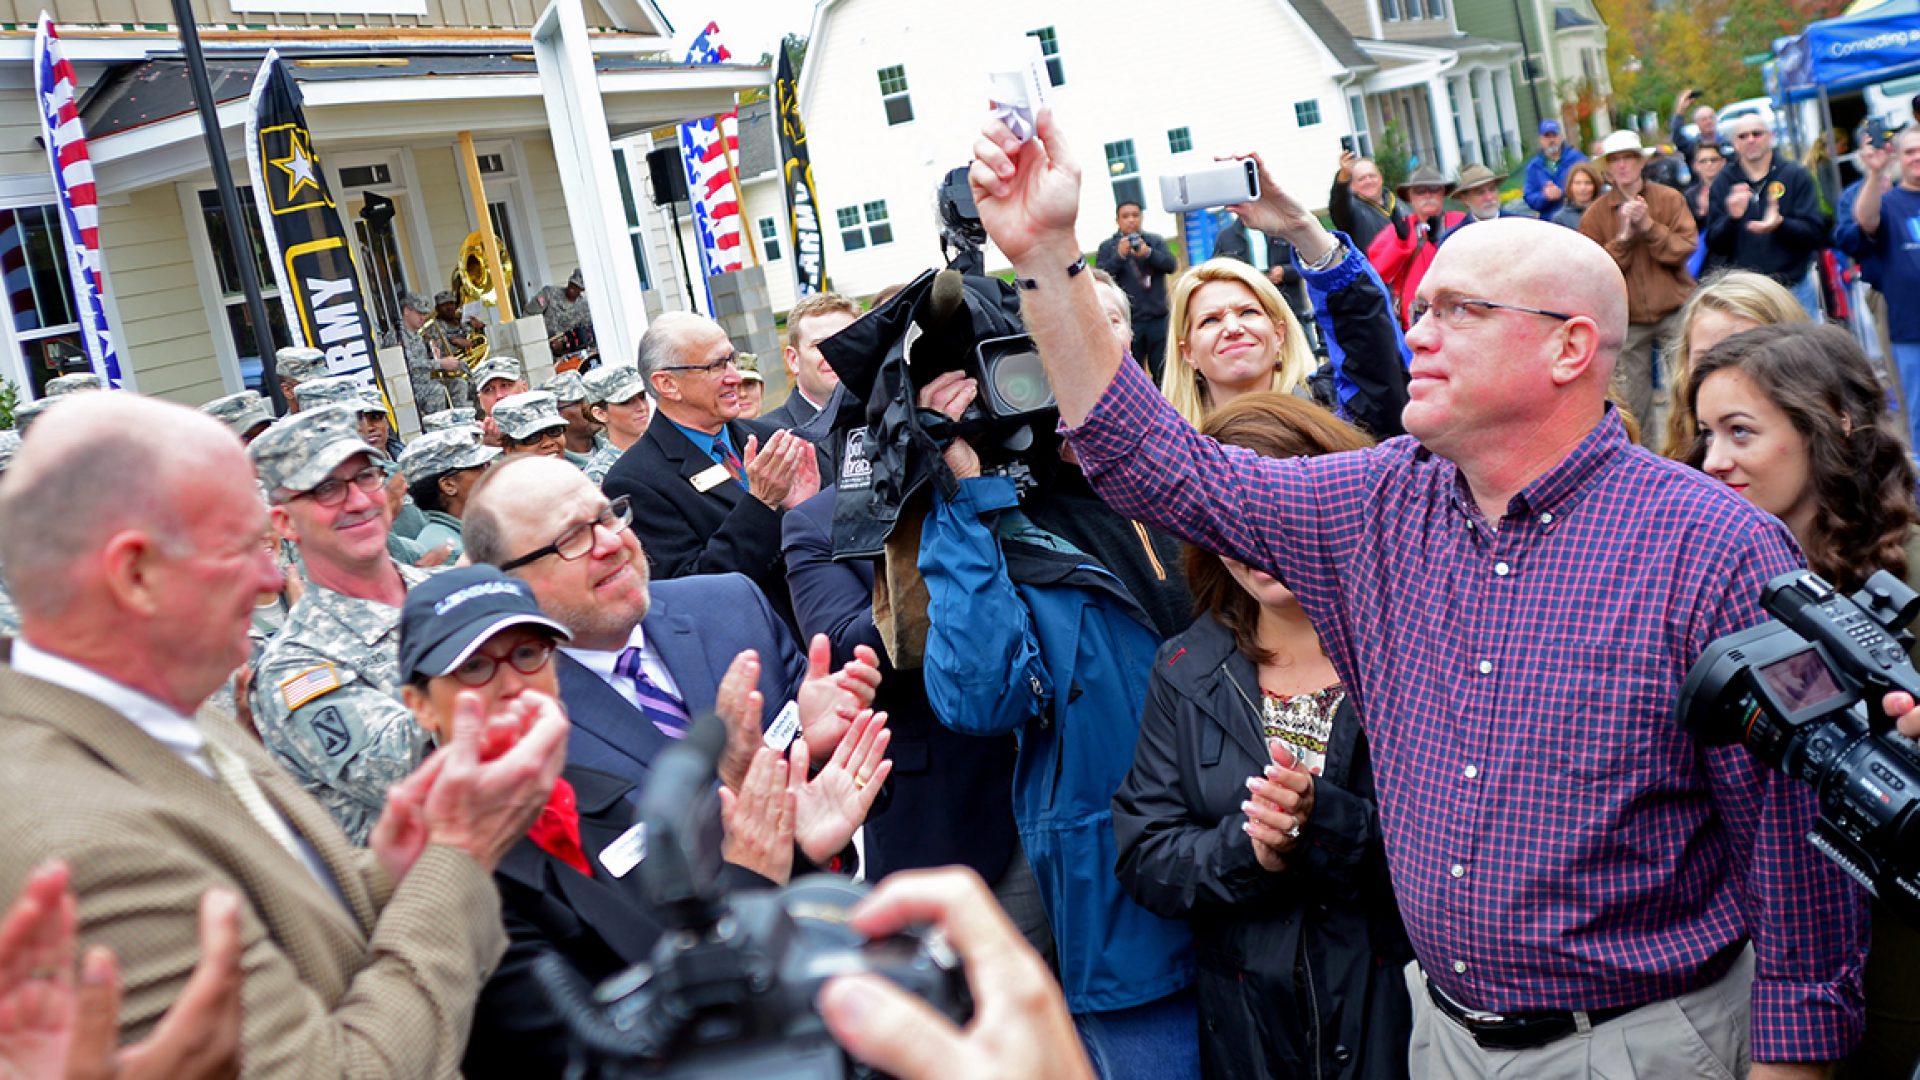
1300 705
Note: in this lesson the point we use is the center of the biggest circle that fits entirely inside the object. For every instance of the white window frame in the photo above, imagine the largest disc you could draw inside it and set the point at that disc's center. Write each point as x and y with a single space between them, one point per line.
1319 115
905 92
13 365
1056 68
769 228
1114 178
515 188
212 301
1185 133
416 242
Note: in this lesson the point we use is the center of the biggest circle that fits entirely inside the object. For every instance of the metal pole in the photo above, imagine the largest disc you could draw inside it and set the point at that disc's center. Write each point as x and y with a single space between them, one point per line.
1526 64
673 210
229 202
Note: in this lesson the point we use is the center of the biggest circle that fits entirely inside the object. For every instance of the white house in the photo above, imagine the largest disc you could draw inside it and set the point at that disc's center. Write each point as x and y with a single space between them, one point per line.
893 96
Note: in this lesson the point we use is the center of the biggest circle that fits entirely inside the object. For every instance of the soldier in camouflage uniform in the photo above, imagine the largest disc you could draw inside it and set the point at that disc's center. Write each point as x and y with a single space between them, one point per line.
441 468
73 384
294 365
447 419
531 423
569 391
494 378
246 413
565 308
9 618
326 697
439 381
617 398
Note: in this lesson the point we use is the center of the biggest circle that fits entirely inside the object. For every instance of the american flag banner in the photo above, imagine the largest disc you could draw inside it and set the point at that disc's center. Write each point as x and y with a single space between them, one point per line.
55 89
707 148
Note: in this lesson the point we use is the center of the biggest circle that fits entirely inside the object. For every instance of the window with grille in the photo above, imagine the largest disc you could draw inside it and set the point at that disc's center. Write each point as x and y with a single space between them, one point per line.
893 94
1306 113
1050 48
1123 170
1180 140
770 239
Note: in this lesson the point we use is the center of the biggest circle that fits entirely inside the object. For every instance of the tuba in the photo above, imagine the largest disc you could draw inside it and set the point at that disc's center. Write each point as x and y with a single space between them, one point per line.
470 278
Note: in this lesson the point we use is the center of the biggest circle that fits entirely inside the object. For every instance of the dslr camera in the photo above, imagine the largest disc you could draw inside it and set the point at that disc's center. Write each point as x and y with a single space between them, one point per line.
729 989
1802 692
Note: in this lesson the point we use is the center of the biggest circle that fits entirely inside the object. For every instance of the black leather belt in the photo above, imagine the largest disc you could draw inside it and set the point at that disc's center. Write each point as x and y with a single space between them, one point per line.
1518 1031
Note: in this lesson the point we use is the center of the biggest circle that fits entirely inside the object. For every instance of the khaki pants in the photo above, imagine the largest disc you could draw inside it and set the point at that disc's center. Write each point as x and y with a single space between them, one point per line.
1702 1034
1633 374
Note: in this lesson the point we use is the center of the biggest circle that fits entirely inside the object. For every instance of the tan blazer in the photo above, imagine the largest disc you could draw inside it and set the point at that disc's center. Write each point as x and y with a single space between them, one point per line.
386 989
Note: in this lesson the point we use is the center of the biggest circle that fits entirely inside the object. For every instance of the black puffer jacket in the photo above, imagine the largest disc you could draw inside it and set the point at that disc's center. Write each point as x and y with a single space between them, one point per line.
1299 971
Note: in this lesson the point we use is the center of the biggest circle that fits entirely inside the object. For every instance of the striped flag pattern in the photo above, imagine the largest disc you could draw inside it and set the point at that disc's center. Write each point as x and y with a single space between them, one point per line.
55 89
706 147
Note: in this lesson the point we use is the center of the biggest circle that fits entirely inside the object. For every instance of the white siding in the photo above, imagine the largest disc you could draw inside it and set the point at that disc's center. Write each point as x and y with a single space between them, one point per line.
857 157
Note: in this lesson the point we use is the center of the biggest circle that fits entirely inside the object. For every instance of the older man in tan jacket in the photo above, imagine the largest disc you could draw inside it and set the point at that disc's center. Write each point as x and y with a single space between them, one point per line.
1650 232
136 539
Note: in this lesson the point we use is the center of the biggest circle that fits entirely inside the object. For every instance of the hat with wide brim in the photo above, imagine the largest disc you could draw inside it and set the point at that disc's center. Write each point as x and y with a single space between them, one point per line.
1425 176
1477 175
1623 142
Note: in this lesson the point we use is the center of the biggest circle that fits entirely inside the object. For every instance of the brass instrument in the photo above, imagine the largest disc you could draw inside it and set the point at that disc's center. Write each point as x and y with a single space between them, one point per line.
472 282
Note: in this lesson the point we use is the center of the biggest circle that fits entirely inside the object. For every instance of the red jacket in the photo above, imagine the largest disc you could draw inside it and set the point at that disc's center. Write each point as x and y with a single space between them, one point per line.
1403 262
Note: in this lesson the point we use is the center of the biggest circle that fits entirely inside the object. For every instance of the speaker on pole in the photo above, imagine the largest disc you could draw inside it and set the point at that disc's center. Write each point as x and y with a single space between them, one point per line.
668 174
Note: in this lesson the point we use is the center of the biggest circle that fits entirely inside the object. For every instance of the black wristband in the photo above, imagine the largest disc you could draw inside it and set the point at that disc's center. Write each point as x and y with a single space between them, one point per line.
1073 270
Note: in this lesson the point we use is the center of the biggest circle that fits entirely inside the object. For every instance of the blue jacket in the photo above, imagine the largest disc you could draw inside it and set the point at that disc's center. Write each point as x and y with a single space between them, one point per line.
1538 175
1061 658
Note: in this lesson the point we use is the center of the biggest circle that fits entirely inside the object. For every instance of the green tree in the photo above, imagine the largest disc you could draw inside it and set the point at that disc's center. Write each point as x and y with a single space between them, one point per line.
1657 49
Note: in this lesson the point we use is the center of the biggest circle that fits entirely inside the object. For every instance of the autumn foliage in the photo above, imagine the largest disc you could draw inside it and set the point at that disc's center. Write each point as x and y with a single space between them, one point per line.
1658 48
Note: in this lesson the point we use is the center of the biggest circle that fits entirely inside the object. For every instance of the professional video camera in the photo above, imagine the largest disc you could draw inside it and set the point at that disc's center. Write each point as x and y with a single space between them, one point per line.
730 987
1803 694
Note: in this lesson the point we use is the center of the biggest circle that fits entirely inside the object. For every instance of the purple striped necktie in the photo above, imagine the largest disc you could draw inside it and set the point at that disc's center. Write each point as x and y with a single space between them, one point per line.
659 704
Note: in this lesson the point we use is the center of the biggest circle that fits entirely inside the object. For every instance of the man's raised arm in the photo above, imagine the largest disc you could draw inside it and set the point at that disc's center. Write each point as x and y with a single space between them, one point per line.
1028 197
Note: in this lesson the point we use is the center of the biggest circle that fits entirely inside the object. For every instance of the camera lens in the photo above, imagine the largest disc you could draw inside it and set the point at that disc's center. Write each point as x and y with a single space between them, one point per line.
1020 382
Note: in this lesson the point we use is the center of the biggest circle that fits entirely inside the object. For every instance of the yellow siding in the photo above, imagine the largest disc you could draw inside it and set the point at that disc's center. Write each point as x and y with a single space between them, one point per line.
445 203
550 202
150 273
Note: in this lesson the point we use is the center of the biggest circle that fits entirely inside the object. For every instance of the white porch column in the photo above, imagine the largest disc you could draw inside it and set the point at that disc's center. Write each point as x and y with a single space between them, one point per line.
1509 115
583 152
1486 115
1469 119
1446 146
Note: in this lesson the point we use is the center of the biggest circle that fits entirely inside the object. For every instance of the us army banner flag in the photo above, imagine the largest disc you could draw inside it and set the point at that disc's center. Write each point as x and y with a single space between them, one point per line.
312 259
796 180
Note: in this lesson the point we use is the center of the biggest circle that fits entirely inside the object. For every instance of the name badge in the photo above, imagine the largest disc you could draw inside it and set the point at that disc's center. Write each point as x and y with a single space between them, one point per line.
780 734
625 853
707 479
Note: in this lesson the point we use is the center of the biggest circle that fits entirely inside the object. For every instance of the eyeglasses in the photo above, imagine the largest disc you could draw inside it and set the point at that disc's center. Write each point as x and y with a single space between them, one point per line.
578 540
526 658
1749 134
1452 311
711 367
333 491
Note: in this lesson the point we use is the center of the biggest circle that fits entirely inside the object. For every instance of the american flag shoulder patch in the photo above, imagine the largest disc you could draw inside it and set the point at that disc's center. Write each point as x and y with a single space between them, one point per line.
309 684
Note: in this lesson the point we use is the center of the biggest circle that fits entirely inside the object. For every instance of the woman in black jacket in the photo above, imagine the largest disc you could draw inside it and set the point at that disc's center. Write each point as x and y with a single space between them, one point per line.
1299 943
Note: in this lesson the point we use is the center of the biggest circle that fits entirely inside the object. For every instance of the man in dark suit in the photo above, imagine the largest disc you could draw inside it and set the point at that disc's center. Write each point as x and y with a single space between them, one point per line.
647 655
474 639
813 319
708 488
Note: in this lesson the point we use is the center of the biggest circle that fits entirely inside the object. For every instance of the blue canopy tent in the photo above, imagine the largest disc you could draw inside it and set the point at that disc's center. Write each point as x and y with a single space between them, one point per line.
1870 44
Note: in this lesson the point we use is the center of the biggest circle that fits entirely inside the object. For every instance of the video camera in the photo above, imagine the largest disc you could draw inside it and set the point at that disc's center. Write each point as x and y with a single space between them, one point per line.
1803 694
730 987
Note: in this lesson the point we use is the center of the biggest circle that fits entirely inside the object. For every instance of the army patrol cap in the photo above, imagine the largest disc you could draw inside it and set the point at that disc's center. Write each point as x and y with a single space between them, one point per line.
496 367
413 301
297 363
73 384
449 418
440 452
749 366
577 280
9 443
25 413
242 412
615 384
447 617
445 296
339 390
523 416
299 451
567 388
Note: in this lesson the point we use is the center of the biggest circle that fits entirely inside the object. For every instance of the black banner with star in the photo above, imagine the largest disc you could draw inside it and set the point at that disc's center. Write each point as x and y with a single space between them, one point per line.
311 250
796 180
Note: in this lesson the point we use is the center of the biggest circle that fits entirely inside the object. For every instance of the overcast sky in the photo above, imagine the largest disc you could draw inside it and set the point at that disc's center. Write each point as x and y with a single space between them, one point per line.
748 27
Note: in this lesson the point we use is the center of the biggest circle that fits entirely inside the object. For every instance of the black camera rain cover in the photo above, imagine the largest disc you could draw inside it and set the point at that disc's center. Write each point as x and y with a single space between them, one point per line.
872 423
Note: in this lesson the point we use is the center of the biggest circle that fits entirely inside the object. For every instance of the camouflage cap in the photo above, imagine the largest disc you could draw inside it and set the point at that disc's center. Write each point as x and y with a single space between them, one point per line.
73 384
449 418
25 413
566 388
242 412
9 442
577 280
496 367
619 383
445 296
413 301
297 363
298 452
749 365
440 452
523 416
339 390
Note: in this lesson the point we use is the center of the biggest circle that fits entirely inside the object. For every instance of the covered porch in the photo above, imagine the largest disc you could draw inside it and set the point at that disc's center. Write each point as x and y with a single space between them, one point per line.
1452 97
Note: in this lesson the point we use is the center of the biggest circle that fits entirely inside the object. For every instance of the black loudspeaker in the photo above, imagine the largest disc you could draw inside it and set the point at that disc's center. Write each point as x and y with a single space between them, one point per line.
668 174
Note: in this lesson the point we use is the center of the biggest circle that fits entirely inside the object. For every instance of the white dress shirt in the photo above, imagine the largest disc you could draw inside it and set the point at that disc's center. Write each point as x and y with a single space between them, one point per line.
601 663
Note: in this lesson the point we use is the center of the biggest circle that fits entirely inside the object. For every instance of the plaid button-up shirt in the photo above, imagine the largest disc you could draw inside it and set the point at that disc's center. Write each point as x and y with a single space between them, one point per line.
1556 841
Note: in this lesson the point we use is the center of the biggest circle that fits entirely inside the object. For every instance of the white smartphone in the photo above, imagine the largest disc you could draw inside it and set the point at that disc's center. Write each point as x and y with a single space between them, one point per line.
1226 184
